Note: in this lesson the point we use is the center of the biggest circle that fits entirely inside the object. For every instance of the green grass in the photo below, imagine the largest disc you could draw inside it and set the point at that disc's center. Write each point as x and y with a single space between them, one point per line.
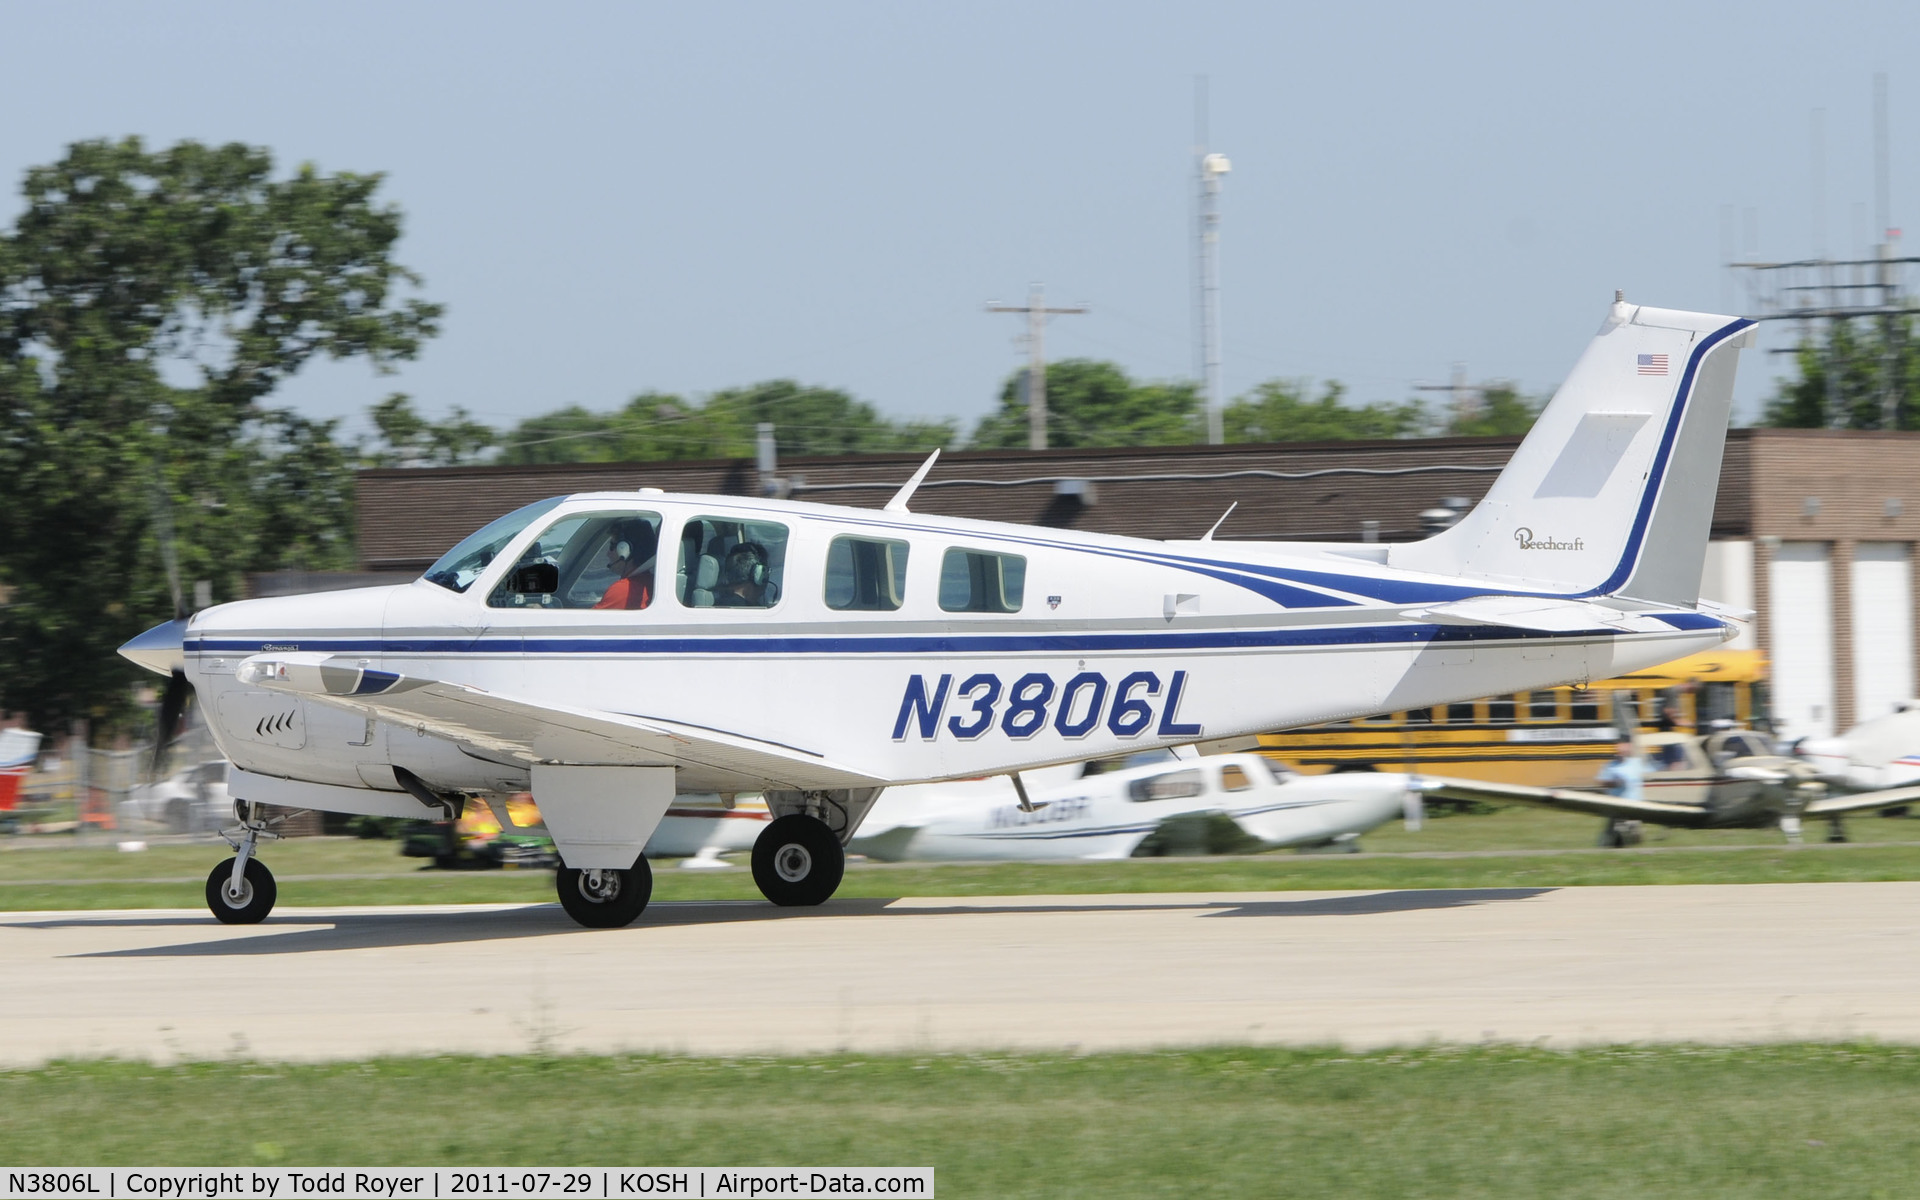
1511 848
1798 1120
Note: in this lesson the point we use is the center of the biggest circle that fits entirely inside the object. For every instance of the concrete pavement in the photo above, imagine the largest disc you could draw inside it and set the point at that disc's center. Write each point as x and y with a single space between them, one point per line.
1564 967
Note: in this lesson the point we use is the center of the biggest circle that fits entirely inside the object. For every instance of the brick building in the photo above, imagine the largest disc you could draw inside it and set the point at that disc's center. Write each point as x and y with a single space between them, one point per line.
1814 529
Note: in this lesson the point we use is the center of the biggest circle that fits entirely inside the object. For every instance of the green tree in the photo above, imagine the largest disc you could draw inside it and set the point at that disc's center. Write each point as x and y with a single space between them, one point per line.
408 439
1280 411
654 427
149 303
1093 403
1844 378
1502 410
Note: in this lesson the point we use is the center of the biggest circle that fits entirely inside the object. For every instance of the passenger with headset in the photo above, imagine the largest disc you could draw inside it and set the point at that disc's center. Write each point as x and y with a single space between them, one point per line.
630 553
743 578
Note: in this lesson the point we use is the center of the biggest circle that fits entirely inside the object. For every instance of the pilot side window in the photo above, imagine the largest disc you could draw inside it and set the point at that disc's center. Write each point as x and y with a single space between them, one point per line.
1174 785
602 560
982 581
728 563
866 574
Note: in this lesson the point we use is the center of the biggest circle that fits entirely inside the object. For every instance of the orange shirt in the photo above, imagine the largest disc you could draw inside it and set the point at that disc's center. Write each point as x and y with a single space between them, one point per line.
633 591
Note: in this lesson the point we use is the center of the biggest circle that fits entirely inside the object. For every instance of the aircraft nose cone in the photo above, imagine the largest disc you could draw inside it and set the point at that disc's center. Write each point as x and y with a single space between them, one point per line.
160 649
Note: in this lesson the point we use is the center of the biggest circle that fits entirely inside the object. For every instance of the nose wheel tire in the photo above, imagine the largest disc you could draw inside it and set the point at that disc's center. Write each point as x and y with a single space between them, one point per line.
609 899
254 901
797 861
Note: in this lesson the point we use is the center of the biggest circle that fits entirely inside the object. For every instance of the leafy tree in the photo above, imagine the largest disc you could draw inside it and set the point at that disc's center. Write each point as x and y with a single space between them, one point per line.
655 427
1093 403
1280 411
149 303
1502 410
408 439
1844 376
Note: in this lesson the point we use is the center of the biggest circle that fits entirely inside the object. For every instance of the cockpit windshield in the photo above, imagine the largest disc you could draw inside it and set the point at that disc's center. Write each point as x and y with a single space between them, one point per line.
460 566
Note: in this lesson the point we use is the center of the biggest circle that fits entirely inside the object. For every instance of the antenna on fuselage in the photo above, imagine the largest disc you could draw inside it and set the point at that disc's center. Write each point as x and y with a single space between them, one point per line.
1221 521
900 498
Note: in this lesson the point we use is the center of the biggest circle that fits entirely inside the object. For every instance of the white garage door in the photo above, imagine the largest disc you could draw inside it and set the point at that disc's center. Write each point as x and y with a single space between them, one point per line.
1882 628
1802 621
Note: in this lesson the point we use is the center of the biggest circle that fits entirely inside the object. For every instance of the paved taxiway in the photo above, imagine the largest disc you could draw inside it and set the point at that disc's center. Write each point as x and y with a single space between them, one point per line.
1709 963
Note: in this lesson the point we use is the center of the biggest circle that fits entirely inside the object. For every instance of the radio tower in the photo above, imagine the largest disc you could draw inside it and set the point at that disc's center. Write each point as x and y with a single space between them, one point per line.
1210 170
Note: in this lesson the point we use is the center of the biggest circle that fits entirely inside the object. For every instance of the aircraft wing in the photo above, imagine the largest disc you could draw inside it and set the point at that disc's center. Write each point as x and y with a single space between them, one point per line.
1568 799
1833 806
1537 613
494 725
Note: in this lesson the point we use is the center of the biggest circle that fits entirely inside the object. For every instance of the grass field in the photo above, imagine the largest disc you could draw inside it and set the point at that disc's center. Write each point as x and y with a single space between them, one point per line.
1486 1122
1511 848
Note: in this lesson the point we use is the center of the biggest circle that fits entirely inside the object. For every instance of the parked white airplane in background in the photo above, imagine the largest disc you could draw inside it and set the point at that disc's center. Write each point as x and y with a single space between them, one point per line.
817 654
1881 753
1111 814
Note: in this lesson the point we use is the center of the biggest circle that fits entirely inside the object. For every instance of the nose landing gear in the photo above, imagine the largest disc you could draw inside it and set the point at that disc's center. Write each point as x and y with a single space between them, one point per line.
241 891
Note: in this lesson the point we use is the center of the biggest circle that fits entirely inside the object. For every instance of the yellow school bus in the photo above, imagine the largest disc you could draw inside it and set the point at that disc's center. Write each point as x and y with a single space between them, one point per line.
1554 738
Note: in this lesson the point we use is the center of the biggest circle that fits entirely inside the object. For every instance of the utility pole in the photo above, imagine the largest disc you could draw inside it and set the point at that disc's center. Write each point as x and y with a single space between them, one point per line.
1037 314
1465 399
1211 169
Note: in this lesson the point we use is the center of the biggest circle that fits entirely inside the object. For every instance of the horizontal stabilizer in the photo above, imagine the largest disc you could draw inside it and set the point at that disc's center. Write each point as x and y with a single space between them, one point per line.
1541 615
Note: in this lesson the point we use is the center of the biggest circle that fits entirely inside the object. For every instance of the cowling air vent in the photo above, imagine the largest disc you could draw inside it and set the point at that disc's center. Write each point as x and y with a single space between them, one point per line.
264 717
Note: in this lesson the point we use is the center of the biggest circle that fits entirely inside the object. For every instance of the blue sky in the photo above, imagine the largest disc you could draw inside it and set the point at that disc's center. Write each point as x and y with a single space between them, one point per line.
612 198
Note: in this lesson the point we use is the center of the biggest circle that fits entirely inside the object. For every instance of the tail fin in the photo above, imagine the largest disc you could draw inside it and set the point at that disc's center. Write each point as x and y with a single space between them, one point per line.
1611 493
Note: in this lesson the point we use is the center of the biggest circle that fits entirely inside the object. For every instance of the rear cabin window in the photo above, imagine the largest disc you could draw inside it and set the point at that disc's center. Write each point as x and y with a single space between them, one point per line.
866 575
1234 779
982 581
1174 785
728 563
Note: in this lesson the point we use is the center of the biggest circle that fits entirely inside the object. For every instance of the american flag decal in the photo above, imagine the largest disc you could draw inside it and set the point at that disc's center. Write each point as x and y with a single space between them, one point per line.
1653 364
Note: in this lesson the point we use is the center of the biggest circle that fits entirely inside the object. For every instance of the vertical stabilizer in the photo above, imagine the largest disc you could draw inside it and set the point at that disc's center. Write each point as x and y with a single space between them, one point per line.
1612 491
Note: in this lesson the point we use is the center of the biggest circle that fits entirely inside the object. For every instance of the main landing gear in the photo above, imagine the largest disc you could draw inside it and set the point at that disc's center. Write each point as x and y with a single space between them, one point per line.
798 861
240 891
608 898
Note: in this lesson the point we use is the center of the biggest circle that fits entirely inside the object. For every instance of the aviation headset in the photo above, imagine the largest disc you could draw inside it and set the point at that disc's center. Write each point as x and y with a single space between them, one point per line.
747 563
627 535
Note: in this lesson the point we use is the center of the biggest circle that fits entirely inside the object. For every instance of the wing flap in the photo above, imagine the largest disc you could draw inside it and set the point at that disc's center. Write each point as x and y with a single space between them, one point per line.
538 732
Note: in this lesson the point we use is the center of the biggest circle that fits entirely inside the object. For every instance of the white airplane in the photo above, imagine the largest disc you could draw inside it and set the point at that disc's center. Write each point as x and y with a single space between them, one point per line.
1110 815
817 654
1881 753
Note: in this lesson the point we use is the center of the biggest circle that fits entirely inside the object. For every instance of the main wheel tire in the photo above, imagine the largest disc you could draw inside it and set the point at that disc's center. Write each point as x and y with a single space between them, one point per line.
618 898
797 862
255 901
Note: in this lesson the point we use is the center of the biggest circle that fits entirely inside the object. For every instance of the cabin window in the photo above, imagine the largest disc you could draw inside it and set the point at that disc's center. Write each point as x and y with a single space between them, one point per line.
866 575
460 566
1234 779
982 581
1543 706
1500 709
728 563
1174 785
586 560
1460 714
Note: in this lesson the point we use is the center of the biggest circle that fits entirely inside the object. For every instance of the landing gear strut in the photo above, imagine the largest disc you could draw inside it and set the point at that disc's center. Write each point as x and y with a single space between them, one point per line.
797 861
1617 834
240 891
605 899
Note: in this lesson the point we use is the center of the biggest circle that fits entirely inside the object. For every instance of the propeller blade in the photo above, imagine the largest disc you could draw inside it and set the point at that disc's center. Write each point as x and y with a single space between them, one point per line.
173 704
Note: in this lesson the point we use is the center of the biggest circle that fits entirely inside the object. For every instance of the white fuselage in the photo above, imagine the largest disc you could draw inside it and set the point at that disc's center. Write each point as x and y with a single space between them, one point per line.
1110 815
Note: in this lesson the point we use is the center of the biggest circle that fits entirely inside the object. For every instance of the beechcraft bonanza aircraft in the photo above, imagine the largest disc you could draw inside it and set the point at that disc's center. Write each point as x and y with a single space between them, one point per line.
818 654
